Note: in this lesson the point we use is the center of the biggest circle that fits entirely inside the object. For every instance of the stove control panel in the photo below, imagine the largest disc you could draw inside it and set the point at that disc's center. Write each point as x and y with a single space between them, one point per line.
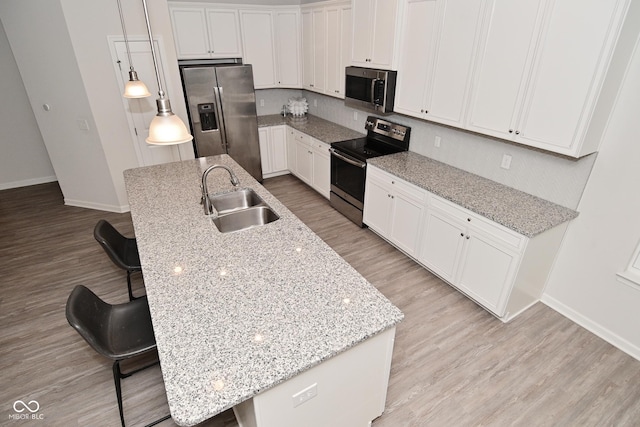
376 125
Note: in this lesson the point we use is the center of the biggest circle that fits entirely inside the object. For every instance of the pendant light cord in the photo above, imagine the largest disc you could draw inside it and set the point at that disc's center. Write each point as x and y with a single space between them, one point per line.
153 50
124 32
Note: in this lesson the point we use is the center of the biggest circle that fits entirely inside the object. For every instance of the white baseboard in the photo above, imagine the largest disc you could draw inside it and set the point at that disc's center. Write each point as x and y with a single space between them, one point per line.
27 182
96 206
593 327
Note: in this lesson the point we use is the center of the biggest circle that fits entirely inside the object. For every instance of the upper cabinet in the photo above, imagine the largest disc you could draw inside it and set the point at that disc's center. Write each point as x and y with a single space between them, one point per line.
532 72
203 32
270 47
438 44
375 26
326 47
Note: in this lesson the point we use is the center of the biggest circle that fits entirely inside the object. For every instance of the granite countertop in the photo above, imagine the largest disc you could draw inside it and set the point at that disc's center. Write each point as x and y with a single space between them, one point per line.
316 127
237 313
528 215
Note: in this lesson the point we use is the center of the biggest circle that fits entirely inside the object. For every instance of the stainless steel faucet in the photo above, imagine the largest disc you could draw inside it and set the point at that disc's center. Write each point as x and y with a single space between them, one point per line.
204 200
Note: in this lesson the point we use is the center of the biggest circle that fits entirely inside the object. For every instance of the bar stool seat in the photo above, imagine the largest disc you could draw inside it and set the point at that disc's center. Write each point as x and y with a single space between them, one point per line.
123 251
118 332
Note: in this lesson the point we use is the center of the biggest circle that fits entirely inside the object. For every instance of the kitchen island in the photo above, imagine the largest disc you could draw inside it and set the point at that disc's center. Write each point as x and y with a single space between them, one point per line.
268 320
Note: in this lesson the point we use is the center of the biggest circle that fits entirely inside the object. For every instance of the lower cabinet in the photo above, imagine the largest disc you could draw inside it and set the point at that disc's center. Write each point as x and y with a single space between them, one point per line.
273 150
308 159
500 269
394 208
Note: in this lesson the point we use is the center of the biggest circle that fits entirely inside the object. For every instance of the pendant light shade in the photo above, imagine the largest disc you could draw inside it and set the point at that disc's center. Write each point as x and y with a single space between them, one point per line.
134 88
166 128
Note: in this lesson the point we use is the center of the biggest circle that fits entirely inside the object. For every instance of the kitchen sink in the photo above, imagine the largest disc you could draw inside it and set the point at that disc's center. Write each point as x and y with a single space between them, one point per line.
235 200
244 218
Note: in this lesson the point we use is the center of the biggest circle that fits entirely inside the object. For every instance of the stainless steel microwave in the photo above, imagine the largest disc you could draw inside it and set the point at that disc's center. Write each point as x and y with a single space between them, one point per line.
369 89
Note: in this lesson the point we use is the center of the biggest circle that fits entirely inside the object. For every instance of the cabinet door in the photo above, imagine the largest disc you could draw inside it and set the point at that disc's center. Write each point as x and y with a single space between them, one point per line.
319 49
443 238
308 51
450 79
287 28
291 151
265 151
190 32
362 32
224 33
377 206
278 145
338 48
304 162
575 49
406 216
487 271
258 46
503 66
414 69
321 168
385 14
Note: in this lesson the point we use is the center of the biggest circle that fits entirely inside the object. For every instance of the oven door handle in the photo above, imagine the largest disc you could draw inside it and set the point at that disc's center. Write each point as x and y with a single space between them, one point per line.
348 159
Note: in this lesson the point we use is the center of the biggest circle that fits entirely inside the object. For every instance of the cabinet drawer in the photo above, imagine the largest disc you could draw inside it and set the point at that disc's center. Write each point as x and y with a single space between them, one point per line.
472 220
395 184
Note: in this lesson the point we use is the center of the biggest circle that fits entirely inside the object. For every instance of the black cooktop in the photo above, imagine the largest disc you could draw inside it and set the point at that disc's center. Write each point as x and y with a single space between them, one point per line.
365 148
383 137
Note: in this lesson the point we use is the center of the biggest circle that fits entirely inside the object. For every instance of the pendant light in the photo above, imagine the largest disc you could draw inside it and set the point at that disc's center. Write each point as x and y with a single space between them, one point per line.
166 128
134 88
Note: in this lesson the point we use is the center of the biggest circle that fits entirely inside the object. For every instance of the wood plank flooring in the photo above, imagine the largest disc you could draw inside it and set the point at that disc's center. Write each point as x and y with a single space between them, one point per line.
453 364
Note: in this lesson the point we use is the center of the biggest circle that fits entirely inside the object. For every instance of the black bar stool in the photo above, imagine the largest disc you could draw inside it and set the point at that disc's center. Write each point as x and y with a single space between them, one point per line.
119 332
123 251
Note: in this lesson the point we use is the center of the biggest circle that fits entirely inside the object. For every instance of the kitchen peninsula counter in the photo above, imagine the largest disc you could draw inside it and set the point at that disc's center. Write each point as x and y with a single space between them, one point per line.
239 313
524 213
313 126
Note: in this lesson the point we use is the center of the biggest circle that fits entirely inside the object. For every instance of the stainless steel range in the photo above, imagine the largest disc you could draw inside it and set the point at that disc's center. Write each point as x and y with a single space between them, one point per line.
349 163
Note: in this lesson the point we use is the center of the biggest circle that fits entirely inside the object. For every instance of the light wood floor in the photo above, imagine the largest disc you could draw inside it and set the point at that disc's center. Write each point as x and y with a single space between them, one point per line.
453 364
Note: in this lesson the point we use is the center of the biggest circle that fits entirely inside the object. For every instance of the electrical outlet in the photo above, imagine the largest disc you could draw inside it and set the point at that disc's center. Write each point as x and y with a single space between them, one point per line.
437 142
355 115
262 102
506 161
305 395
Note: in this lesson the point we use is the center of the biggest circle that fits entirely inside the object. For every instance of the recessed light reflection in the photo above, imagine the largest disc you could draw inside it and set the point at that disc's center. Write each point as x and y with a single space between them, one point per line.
346 301
218 385
258 338
298 249
223 272
178 269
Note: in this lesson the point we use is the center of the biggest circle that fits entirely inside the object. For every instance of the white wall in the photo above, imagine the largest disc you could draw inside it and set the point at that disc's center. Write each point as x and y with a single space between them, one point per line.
601 241
24 159
61 49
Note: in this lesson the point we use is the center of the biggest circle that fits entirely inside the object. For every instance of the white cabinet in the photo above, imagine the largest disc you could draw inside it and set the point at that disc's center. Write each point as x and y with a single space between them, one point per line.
258 45
202 32
474 254
311 161
271 46
374 33
541 69
394 208
321 167
273 150
314 47
338 48
287 44
439 40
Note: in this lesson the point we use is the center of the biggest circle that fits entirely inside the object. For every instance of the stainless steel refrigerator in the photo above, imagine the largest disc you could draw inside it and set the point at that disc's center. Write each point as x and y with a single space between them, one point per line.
221 103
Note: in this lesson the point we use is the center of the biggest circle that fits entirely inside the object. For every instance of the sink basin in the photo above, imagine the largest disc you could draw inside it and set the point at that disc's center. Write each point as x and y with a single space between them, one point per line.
242 219
235 200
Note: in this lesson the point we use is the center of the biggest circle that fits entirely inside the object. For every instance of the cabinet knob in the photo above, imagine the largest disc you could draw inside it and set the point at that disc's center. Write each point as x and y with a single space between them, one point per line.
469 219
467 237
393 182
461 234
517 132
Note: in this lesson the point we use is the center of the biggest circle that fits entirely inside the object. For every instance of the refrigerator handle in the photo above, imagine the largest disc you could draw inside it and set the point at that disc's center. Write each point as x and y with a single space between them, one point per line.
217 91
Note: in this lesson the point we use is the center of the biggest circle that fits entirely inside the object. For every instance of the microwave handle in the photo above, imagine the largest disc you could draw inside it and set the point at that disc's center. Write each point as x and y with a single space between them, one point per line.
373 91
